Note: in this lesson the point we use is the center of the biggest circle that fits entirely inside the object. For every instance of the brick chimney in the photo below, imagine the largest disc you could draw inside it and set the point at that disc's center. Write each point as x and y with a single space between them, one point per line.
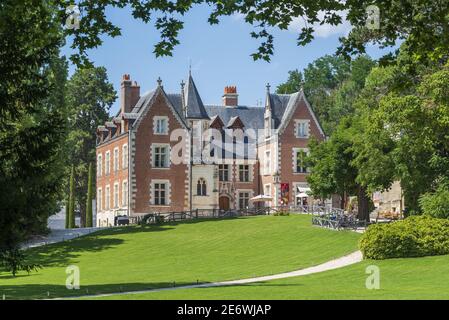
230 96
130 94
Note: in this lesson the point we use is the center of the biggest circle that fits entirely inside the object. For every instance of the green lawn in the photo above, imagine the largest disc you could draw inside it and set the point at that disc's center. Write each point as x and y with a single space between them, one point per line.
133 258
413 278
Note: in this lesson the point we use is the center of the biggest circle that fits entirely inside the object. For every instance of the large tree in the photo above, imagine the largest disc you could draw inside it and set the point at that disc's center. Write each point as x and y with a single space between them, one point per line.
90 95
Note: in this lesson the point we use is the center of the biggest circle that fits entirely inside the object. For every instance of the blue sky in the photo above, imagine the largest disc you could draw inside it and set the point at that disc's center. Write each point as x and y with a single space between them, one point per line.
219 55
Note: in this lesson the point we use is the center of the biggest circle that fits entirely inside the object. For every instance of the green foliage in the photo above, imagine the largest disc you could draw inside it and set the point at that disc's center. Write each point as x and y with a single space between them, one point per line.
90 96
89 215
436 204
415 236
14 260
72 198
281 214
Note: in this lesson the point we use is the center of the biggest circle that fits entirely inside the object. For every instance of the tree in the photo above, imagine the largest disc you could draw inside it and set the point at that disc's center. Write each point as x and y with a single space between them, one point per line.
72 199
293 84
332 168
424 24
89 97
90 182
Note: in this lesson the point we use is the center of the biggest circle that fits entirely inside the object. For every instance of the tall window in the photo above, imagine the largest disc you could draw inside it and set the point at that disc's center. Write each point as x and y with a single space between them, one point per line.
160 194
301 161
267 190
99 165
160 157
99 200
107 163
244 173
267 127
125 193
201 187
267 165
223 172
115 203
161 125
116 154
243 200
302 129
107 203
125 156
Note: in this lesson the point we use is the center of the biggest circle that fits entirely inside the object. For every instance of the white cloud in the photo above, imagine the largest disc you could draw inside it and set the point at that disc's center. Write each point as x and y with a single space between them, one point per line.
324 30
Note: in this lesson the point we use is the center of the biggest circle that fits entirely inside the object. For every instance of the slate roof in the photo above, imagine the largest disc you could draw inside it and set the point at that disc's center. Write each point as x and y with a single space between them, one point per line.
194 104
279 104
252 117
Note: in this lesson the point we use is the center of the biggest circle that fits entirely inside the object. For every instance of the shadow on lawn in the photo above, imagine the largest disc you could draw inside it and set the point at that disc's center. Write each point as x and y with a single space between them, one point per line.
44 291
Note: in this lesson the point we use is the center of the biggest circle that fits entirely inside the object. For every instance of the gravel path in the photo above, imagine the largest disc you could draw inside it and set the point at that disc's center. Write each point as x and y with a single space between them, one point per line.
58 235
329 265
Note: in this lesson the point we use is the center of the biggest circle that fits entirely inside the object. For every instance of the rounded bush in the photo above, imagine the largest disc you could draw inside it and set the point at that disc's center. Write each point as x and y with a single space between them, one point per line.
415 236
436 204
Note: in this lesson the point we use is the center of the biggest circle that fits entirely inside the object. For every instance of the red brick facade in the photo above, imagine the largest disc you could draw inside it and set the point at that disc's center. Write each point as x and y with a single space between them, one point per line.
156 183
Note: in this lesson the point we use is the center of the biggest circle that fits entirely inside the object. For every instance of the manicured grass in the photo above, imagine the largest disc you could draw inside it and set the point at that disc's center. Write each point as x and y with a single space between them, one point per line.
133 258
412 278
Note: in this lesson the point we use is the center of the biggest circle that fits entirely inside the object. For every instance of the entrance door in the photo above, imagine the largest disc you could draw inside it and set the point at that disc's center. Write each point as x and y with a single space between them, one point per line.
223 203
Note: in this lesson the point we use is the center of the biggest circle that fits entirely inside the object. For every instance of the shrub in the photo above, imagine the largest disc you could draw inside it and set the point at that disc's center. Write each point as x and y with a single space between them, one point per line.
415 236
436 204
281 213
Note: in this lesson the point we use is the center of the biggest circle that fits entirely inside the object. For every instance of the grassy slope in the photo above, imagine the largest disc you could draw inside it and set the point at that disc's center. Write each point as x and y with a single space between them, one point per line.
208 250
413 278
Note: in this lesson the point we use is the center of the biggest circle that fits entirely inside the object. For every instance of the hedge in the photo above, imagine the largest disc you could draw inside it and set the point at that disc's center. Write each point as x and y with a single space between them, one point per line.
415 236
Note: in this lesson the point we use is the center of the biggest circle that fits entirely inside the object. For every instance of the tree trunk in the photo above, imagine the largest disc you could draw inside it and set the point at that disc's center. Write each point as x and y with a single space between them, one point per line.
362 204
82 205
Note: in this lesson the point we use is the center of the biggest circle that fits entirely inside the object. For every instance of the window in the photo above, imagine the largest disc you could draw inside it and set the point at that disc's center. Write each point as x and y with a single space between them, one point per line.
160 193
99 165
107 163
223 172
99 200
116 164
300 164
302 128
201 187
267 128
115 199
125 156
267 166
243 200
244 173
267 190
107 198
160 125
125 193
160 157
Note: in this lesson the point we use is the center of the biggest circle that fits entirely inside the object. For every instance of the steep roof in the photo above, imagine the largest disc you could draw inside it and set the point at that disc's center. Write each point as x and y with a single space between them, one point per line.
194 104
252 117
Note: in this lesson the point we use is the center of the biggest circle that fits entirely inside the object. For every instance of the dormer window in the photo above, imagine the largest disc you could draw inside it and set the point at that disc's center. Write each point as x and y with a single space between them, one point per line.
302 128
160 125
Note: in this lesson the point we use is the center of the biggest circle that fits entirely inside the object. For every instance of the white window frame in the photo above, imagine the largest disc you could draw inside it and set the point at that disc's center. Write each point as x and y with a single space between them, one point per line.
99 200
221 169
125 156
107 197
153 192
107 163
124 193
265 189
248 170
116 195
299 133
167 155
239 192
295 155
267 162
116 159
157 120
99 165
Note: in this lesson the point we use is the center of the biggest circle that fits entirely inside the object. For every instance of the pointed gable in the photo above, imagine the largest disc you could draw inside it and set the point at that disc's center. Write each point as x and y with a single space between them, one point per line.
194 105
216 122
235 123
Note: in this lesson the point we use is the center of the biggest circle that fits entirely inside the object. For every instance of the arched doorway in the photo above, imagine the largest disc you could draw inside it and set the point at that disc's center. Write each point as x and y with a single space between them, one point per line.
223 202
